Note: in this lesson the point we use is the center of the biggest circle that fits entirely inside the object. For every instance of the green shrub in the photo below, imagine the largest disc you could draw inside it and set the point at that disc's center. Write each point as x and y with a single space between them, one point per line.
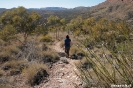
77 32
8 33
46 38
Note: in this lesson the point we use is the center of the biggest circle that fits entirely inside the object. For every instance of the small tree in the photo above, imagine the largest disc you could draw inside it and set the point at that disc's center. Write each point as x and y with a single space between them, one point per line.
23 21
75 24
54 20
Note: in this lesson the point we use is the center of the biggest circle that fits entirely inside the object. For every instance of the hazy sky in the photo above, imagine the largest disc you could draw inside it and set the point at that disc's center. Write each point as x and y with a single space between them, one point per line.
48 3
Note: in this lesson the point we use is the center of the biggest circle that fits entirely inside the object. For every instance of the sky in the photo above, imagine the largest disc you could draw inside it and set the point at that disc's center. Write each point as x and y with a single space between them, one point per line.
48 3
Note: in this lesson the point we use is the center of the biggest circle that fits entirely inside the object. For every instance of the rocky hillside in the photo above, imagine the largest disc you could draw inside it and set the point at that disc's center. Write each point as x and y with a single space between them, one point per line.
114 10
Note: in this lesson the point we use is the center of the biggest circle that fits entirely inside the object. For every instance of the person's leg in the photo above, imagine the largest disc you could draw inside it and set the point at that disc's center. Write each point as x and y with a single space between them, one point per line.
65 50
68 49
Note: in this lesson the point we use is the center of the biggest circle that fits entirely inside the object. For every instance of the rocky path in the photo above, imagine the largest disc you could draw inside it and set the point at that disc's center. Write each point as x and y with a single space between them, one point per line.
62 75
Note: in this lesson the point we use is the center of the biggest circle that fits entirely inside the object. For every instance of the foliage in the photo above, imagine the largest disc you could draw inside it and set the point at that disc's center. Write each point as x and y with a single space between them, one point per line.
77 32
56 23
109 71
8 33
106 70
46 38
23 21
76 23
41 30
53 19
107 32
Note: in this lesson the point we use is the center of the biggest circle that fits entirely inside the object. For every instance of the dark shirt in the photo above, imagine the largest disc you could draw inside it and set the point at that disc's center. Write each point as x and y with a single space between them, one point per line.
67 42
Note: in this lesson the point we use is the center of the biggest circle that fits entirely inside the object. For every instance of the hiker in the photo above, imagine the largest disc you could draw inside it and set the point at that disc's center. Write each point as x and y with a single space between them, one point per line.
67 43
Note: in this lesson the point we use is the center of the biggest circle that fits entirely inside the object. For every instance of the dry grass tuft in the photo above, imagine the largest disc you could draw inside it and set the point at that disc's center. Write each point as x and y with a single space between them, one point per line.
5 56
62 44
2 42
14 67
8 53
49 56
75 50
5 86
42 46
84 64
35 73
13 50
1 72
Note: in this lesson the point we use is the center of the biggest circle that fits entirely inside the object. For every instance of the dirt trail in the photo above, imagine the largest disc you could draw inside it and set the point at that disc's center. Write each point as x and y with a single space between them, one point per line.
62 75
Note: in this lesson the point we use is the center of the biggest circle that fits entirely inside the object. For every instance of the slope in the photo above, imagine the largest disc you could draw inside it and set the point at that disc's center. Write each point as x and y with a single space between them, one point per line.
114 10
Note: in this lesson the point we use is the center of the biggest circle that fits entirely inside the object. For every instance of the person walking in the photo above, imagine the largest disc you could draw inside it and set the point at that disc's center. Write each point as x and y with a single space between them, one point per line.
67 43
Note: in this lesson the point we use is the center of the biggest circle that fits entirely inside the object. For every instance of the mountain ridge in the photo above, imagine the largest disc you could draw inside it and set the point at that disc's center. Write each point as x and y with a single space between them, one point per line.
114 10
52 8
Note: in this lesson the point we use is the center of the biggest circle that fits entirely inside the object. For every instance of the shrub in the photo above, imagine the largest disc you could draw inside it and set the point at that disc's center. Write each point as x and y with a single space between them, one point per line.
75 50
35 73
14 65
8 53
1 42
77 32
5 56
89 43
84 64
41 30
44 47
46 38
4 86
76 53
49 56
108 71
8 33
13 50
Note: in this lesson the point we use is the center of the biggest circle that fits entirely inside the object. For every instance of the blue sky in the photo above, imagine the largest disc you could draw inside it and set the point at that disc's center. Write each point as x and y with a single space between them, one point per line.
48 3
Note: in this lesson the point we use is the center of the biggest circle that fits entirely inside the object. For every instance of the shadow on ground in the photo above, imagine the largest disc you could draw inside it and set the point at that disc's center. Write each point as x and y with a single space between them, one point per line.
61 54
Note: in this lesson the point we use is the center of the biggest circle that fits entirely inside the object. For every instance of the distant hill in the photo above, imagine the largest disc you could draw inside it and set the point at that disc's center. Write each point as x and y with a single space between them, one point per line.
60 8
114 10
2 10
53 8
81 8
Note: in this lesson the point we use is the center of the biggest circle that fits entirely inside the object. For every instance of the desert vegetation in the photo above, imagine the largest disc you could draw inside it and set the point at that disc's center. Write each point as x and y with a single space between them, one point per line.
110 55
101 49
